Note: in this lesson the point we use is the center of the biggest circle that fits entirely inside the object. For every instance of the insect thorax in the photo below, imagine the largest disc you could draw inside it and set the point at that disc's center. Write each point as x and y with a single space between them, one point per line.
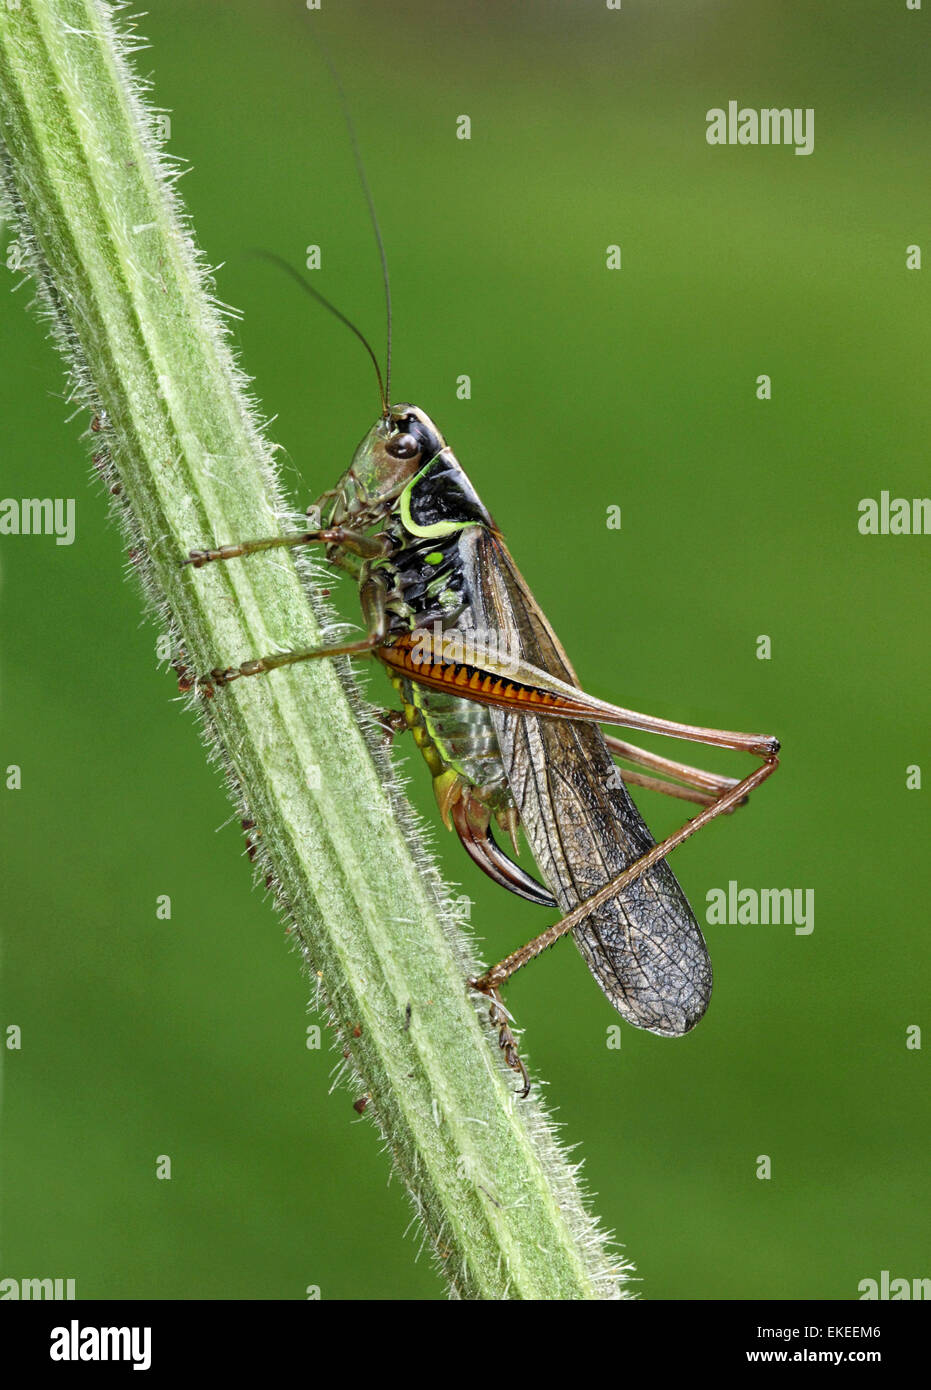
430 592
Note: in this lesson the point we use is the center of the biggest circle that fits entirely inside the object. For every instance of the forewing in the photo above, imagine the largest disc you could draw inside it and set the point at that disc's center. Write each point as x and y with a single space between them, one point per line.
644 947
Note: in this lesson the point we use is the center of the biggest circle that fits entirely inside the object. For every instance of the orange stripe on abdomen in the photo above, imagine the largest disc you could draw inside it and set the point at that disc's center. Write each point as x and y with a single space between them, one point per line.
399 655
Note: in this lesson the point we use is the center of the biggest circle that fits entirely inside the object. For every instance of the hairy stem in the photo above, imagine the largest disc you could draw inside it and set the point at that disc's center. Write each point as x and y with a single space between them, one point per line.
99 226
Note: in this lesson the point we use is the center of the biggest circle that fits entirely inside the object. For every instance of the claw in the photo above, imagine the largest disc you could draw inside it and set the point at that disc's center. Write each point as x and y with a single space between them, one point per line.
498 1017
187 680
391 721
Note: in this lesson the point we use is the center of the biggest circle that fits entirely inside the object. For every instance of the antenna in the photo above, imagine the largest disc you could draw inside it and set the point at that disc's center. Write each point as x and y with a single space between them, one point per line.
305 285
363 179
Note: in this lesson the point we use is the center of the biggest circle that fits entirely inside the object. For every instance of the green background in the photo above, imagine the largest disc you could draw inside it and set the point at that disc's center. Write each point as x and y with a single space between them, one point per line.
590 388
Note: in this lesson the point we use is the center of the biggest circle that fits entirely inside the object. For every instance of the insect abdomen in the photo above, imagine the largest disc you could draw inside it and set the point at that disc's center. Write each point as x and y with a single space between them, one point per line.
455 734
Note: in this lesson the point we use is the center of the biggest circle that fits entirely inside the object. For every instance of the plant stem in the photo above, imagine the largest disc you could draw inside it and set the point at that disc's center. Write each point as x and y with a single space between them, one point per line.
101 229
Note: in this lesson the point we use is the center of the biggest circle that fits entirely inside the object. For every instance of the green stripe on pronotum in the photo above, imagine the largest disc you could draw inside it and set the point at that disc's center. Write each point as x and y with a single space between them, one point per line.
438 530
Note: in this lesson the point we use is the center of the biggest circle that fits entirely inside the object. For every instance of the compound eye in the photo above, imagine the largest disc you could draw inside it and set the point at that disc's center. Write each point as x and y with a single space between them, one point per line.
403 446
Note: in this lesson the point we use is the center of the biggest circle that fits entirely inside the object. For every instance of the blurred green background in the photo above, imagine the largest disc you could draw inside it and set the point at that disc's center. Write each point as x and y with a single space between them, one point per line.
589 389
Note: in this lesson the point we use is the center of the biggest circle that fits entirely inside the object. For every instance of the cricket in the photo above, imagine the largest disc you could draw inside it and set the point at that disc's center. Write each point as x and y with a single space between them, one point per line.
508 733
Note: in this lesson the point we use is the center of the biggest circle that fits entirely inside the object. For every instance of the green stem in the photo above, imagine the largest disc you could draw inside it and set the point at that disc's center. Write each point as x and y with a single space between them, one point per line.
102 231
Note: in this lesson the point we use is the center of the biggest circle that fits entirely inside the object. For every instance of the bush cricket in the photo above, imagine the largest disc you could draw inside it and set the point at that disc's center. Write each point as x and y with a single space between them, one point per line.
502 721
